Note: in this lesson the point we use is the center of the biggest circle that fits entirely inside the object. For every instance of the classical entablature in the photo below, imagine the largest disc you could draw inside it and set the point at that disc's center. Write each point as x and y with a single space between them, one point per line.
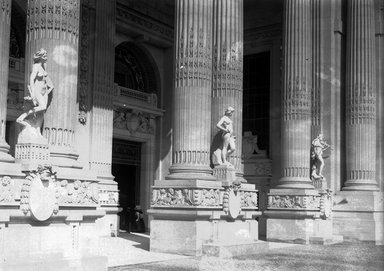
146 28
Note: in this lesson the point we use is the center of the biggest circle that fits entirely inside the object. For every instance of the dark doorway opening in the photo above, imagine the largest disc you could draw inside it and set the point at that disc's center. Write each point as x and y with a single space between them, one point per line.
126 161
256 97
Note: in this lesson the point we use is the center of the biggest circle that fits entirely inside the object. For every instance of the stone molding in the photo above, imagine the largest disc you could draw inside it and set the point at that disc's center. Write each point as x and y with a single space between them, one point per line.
139 20
321 203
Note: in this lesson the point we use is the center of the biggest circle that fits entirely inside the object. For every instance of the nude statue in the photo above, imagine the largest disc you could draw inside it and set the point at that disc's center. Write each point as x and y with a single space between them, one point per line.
40 85
225 124
318 147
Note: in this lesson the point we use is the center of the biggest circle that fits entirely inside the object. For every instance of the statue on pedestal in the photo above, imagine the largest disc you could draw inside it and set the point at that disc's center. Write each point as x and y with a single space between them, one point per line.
317 159
40 85
227 146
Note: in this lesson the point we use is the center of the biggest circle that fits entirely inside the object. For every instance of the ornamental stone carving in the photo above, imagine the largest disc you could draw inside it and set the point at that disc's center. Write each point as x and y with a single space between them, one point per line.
249 199
232 199
107 197
77 192
289 202
6 192
326 204
321 203
134 121
185 197
38 193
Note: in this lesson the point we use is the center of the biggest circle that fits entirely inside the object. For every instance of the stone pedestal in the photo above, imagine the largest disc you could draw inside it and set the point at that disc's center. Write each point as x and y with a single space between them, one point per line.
300 216
359 216
187 215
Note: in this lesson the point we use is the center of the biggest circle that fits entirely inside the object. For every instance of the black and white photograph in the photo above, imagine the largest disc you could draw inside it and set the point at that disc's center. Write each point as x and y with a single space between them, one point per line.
202 135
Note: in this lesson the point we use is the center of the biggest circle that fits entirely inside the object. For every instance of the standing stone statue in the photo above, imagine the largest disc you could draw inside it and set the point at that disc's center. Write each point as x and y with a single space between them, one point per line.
40 85
227 146
317 149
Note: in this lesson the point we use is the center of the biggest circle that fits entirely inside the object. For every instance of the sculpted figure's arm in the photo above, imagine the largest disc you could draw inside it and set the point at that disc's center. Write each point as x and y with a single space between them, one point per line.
221 125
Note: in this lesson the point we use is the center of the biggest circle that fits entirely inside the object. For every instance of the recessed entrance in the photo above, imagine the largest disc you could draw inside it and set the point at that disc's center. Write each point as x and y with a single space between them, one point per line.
126 167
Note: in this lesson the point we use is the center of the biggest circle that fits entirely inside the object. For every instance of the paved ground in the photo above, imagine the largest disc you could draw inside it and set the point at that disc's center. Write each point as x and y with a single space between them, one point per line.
275 256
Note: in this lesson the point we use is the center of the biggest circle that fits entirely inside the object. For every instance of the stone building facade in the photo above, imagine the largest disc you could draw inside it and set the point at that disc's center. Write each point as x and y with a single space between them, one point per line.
139 88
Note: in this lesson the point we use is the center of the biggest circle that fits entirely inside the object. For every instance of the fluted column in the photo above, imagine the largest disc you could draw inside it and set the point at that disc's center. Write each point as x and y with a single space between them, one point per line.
228 69
296 100
192 94
54 26
361 96
102 107
5 30
316 68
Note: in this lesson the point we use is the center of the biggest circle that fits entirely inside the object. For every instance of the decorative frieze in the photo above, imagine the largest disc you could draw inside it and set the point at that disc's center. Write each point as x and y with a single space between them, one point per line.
184 197
77 192
50 19
321 203
108 197
6 190
249 199
142 21
194 59
134 121
293 202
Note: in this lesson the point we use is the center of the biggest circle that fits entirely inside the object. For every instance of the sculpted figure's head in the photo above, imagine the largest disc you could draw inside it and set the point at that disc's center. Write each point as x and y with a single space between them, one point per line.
40 56
229 111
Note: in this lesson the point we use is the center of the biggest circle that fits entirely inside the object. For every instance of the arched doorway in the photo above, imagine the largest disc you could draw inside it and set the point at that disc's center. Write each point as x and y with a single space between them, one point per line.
135 110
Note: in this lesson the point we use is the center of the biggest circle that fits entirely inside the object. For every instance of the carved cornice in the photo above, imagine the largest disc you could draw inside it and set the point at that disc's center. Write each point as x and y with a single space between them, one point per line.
265 33
141 21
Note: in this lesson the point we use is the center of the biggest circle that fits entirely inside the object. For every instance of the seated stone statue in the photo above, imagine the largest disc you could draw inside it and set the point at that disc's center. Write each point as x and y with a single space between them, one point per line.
227 145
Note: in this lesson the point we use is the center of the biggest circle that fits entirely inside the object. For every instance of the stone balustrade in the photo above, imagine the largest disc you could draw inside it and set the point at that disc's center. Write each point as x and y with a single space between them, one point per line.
148 98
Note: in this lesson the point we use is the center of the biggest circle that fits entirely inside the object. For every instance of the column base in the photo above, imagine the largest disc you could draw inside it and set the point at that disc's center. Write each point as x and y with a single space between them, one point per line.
300 216
189 214
361 185
359 216
190 172
295 183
